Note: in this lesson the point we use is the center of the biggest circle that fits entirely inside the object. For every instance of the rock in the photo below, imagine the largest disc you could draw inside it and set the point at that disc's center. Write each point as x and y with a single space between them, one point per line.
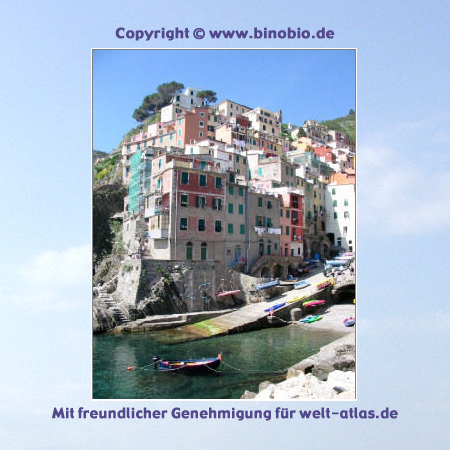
248 395
264 385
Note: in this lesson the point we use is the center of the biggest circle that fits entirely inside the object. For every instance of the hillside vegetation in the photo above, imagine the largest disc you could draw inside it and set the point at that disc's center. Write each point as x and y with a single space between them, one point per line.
346 124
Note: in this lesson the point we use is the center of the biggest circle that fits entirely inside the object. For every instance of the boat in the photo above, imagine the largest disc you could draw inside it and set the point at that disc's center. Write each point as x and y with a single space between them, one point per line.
222 292
314 303
324 284
269 284
288 282
274 307
301 285
334 262
296 299
204 365
349 321
225 293
310 319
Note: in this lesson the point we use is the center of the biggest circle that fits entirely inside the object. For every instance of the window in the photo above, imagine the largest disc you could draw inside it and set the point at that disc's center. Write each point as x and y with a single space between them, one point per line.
269 223
179 132
202 180
218 226
231 190
201 124
287 231
344 231
288 214
339 242
346 202
230 228
281 213
200 134
218 183
335 203
241 209
242 229
204 251
335 215
215 119
217 203
230 208
232 178
237 158
346 215
183 223
202 114
201 225
241 192
260 202
200 202
287 170
260 222
184 177
269 204
184 200
333 191
189 251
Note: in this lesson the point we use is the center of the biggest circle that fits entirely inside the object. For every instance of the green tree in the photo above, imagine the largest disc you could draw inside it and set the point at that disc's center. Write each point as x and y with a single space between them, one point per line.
351 112
207 96
152 103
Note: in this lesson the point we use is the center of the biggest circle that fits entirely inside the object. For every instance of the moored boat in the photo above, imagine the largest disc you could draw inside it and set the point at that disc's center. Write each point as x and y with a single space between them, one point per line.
204 365
269 284
301 285
225 293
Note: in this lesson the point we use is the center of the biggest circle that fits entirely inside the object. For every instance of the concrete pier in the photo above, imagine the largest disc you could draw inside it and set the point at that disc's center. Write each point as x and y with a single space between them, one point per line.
253 316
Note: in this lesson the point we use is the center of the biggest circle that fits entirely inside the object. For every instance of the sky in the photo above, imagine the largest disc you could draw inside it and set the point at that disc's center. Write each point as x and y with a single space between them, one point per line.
403 204
299 82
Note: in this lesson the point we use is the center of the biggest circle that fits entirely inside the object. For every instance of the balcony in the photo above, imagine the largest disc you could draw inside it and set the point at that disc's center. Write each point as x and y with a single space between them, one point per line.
158 233
156 211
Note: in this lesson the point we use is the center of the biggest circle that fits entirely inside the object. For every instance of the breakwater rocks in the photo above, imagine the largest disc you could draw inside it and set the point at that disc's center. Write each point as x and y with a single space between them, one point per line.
329 374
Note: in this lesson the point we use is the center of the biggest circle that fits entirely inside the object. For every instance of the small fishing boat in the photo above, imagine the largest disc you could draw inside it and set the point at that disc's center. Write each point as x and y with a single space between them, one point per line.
274 307
269 284
301 285
222 292
203 365
334 263
310 319
225 293
314 303
324 284
296 299
288 282
349 321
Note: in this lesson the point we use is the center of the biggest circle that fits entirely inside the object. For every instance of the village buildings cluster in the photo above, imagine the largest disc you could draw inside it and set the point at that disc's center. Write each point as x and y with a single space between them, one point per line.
230 183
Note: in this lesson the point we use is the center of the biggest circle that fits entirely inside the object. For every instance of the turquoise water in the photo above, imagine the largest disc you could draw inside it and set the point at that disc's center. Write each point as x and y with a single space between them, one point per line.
248 359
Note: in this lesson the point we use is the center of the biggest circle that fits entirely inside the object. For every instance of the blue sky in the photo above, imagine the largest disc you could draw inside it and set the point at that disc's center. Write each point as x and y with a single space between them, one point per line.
403 216
304 84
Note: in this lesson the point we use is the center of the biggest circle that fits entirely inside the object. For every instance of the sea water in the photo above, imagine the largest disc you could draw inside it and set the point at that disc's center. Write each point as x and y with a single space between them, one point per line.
248 359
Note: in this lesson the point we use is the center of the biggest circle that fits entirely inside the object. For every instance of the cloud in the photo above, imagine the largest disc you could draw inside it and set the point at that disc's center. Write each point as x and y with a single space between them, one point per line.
51 279
399 195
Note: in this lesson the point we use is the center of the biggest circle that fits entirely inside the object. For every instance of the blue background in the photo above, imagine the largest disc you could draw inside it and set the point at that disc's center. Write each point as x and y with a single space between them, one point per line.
403 220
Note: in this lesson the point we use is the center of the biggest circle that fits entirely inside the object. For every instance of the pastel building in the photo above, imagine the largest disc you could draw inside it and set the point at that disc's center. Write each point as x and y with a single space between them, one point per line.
186 209
340 203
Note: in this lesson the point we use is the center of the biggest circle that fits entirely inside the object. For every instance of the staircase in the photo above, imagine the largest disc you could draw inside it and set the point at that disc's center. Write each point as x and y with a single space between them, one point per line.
112 306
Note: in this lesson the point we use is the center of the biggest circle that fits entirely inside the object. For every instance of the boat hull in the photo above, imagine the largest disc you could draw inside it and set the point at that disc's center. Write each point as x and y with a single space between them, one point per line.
206 365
